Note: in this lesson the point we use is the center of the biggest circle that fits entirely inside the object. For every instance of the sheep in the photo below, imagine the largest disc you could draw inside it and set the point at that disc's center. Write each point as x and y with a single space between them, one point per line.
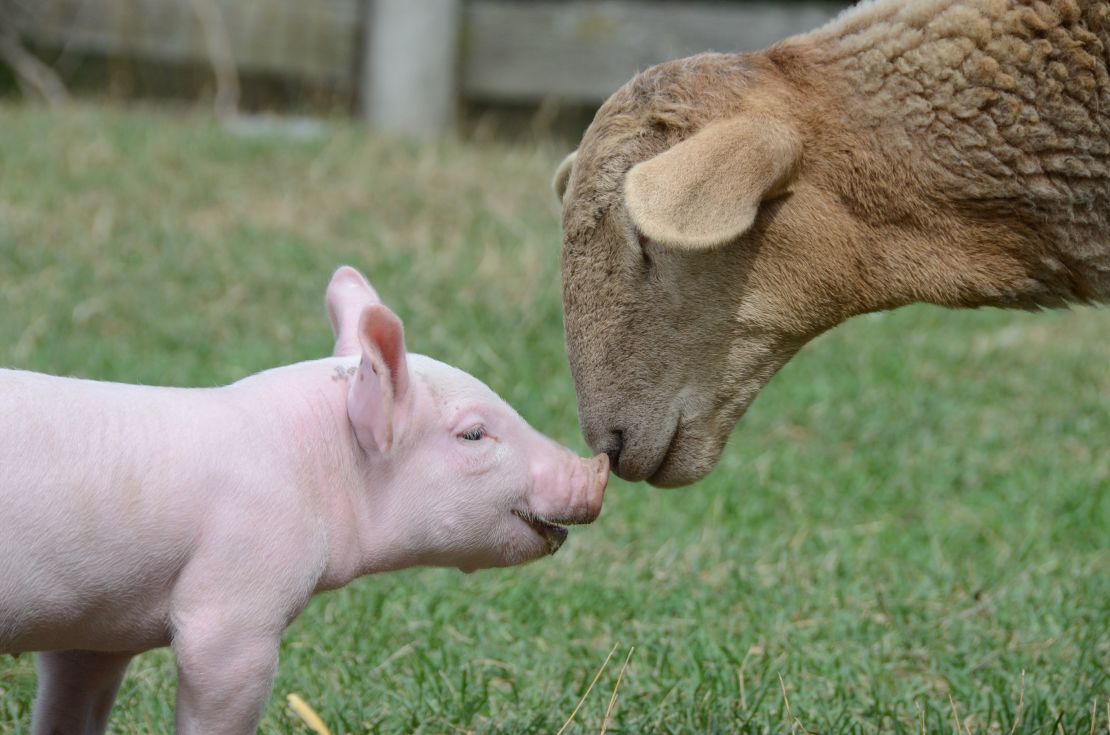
724 209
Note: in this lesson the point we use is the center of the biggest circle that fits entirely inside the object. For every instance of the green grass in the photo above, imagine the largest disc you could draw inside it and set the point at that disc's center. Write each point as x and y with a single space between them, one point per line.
912 525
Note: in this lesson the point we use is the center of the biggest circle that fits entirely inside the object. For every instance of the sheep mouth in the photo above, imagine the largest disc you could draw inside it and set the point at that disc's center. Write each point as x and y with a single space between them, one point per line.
552 533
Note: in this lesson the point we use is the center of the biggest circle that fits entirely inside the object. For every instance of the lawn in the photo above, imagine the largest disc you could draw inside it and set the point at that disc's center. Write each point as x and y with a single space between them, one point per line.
909 532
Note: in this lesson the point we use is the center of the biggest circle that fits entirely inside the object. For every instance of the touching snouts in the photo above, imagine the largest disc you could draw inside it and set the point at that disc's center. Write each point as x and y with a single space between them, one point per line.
599 469
587 481
566 493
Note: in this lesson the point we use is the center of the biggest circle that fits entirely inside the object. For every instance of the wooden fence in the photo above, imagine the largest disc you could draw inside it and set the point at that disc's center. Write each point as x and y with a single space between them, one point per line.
409 62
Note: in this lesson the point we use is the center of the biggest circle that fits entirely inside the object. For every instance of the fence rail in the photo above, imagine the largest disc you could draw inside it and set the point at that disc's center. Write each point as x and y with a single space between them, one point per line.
301 39
409 61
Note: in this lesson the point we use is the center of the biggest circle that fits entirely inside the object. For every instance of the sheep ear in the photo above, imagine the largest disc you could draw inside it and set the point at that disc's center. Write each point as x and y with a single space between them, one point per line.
705 191
562 175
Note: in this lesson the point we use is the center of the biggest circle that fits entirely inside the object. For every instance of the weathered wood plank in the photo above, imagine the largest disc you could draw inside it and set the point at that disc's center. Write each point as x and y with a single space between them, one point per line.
409 82
300 39
583 51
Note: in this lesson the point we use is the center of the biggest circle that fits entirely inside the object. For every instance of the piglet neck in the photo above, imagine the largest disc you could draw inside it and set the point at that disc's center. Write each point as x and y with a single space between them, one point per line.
366 521
356 486
335 479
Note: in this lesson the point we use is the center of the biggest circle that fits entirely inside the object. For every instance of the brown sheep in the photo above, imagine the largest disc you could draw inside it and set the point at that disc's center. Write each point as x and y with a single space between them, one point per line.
724 209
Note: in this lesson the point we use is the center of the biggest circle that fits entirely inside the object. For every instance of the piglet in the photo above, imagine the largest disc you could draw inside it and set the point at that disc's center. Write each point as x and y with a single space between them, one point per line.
133 517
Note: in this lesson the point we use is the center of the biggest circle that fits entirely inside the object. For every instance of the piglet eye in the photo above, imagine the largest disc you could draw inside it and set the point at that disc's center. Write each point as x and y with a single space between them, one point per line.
473 435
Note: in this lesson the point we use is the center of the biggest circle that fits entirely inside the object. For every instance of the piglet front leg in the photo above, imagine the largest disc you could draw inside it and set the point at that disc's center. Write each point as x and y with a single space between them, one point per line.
223 680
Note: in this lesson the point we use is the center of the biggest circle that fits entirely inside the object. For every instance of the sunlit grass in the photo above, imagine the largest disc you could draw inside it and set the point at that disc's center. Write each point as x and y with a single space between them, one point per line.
913 514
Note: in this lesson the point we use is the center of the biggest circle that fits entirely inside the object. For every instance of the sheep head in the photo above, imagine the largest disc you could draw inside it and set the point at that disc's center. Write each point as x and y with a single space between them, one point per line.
724 209
699 255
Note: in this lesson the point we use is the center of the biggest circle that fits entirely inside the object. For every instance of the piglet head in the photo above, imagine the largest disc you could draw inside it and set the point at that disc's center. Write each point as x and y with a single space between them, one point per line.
465 481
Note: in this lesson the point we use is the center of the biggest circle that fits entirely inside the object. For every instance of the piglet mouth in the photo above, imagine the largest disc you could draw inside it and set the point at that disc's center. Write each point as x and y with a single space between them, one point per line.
552 533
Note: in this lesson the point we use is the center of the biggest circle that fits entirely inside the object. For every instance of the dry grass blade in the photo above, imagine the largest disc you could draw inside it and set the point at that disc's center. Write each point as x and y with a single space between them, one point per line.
613 699
795 723
589 689
402 651
1021 705
307 715
955 714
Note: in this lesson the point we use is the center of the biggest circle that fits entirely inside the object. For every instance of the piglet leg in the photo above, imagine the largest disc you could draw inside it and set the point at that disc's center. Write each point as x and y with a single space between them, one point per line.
224 680
76 690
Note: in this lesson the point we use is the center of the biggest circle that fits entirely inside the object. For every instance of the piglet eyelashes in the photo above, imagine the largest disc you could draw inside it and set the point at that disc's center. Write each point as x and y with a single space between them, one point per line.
473 435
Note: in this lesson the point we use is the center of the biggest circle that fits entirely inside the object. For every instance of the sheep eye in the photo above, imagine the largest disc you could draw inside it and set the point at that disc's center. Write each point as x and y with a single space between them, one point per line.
473 435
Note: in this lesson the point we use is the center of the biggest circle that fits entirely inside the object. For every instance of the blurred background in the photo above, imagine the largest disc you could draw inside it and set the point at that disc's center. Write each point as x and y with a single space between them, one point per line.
424 67
907 532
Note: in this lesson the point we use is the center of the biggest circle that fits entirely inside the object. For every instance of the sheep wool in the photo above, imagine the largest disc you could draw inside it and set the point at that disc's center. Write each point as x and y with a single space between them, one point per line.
1009 100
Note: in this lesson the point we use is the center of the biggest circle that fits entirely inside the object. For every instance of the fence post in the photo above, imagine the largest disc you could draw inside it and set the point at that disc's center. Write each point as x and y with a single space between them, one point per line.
409 75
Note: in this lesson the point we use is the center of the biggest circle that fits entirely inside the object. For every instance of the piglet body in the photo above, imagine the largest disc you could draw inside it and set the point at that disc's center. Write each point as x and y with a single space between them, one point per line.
136 517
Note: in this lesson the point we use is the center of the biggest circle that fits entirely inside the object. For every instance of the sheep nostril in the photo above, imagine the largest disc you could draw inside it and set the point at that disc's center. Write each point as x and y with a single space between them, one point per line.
616 444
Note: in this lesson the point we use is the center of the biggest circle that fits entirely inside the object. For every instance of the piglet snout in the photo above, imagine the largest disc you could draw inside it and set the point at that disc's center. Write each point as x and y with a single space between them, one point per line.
588 480
595 490
568 489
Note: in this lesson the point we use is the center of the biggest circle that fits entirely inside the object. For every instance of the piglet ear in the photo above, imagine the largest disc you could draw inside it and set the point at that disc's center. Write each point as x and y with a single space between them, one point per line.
348 294
382 384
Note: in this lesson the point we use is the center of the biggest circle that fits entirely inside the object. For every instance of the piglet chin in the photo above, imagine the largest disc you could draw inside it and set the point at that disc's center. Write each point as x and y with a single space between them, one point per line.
552 533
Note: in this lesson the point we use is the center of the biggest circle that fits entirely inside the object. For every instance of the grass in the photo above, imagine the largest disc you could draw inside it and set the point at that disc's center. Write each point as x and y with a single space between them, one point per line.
910 529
